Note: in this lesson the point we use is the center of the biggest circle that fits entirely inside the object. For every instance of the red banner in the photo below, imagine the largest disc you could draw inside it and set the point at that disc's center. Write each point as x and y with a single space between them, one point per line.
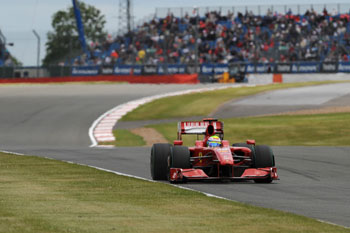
156 79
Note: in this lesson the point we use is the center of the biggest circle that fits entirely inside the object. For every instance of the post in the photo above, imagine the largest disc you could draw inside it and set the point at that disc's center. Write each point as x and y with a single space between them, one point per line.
38 53
128 16
196 39
2 44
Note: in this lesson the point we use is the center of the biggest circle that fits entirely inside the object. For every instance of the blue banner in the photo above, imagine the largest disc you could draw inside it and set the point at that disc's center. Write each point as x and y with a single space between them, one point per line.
264 68
220 68
80 26
171 69
344 67
128 70
250 68
214 68
123 70
207 68
137 70
310 67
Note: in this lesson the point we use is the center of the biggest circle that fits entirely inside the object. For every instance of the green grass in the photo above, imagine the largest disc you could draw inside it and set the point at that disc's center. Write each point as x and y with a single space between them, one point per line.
125 138
302 130
201 104
41 195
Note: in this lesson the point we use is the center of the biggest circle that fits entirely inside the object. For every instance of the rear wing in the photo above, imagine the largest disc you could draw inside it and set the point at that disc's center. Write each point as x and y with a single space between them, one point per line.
199 127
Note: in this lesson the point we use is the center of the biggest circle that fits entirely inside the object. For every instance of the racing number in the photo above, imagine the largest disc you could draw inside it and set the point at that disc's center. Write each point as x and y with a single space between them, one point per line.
200 155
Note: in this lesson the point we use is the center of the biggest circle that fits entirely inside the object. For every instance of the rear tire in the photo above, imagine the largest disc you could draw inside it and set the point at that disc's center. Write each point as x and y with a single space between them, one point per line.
159 160
264 158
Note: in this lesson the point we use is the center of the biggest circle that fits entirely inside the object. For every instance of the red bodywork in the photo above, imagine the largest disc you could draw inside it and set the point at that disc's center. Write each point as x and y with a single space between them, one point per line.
225 162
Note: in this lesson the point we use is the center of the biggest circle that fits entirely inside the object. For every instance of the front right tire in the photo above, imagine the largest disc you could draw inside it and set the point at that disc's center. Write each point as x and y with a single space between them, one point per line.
160 155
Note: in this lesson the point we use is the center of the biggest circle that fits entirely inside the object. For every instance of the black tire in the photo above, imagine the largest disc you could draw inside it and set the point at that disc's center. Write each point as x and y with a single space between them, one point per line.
159 161
251 147
243 144
180 157
264 158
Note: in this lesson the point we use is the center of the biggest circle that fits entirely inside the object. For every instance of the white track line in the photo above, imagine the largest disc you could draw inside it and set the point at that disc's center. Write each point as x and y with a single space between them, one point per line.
102 129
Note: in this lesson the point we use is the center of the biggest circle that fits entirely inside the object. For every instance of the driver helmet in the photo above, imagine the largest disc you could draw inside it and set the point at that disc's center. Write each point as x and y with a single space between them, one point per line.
214 141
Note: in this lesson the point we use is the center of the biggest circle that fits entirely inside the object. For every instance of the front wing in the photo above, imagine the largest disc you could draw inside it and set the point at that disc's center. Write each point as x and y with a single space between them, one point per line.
179 174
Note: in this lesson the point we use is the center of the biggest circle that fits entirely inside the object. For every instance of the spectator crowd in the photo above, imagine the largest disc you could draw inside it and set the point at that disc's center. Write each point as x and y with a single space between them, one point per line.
228 38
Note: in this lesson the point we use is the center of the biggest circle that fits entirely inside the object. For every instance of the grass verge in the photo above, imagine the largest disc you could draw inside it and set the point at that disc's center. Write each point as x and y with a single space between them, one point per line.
42 195
202 104
286 130
125 138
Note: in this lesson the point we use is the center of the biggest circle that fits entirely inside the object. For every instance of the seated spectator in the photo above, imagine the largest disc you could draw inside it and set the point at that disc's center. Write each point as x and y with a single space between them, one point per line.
230 38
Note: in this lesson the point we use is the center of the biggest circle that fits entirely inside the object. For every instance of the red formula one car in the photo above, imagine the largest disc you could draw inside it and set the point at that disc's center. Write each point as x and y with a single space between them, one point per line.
241 161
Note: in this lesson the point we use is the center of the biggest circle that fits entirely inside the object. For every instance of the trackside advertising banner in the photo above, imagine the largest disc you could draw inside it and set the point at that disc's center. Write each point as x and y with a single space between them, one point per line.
344 67
306 68
329 67
128 70
85 70
283 68
213 69
172 69
107 70
264 68
149 69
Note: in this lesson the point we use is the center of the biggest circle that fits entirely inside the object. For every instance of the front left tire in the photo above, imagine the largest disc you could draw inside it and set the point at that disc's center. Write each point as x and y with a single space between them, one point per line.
180 157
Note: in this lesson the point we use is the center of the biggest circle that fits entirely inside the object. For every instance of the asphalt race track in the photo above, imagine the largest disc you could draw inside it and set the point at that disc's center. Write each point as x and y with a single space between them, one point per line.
53 121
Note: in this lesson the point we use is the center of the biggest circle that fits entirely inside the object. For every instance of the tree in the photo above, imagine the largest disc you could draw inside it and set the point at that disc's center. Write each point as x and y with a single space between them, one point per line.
15 61
63 42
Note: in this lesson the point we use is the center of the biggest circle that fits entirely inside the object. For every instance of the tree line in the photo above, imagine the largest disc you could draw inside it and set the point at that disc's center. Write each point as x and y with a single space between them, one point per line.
63 42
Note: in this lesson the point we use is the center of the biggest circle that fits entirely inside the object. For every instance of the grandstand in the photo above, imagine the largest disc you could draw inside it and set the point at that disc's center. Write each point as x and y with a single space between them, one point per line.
225 35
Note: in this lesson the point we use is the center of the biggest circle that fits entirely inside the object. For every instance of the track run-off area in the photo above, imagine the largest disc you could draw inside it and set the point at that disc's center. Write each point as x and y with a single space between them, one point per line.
53 121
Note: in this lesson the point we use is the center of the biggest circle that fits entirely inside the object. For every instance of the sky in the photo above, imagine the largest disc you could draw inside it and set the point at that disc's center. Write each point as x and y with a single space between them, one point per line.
18 18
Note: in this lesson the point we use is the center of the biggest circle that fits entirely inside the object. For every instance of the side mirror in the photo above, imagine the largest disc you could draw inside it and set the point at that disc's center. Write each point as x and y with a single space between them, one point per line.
178 143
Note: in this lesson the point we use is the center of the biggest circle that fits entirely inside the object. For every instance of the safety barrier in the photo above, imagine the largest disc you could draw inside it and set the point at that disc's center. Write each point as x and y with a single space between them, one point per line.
177 78
168 73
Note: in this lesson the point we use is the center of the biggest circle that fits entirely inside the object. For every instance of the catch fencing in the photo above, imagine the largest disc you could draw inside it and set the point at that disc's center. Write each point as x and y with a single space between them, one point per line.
332 8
